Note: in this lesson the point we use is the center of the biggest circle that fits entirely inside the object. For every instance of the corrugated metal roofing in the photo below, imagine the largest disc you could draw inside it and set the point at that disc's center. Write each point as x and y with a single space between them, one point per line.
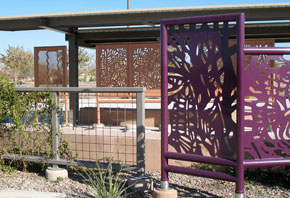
151 10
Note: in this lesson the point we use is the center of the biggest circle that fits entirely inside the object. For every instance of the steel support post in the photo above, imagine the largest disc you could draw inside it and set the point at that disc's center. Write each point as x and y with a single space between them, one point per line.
140 111
55 128
73 78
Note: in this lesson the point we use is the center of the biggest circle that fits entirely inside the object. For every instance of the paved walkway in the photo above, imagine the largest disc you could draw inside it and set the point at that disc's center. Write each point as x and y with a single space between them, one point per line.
29 194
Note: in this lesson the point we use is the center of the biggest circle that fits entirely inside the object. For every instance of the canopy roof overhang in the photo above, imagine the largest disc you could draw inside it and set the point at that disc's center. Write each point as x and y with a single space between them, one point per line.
264 21
280 32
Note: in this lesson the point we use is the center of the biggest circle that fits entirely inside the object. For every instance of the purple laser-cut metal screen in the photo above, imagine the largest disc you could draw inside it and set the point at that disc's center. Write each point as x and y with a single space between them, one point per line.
199 89
202 88
267 107
202 92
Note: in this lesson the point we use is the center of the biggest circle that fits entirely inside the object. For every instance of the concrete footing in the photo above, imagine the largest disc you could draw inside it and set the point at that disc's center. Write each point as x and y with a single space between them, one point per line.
53 174
141 184
159 193
239 195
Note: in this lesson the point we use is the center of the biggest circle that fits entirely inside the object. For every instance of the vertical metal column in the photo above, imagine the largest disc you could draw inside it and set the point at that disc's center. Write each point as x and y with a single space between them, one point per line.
240 110
140 111
73 78
55 128
164 107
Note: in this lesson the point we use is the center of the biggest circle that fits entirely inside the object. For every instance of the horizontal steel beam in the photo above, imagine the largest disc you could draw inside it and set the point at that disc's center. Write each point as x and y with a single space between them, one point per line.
267 162
90 38
267 50
44 24
132 33
60 30
199 158
83 89
200 173
65 162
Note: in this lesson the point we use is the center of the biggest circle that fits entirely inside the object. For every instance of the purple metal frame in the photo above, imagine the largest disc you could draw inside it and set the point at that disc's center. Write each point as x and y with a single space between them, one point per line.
259 92
175 28
265 121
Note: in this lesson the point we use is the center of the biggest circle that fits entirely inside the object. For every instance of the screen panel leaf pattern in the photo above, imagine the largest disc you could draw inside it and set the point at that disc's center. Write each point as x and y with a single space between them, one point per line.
267 107
202 88
112 67
129 65
146 66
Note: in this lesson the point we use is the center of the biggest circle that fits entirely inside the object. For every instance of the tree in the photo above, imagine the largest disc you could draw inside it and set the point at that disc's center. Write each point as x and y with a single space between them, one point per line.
19 61
86 64
83 57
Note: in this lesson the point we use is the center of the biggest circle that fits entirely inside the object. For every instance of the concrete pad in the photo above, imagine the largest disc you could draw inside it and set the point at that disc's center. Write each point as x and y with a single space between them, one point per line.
29 194
52 174
170 193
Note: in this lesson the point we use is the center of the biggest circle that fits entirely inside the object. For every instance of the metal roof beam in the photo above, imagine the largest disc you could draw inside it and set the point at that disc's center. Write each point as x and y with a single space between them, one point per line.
18 25
253 31
261 12
129 33
44 24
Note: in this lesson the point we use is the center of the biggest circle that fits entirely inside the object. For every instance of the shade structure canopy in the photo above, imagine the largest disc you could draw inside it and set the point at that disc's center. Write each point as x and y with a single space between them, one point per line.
264 21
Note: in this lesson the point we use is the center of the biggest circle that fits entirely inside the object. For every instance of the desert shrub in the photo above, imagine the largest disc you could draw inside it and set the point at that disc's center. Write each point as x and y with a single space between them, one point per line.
24 134
105 182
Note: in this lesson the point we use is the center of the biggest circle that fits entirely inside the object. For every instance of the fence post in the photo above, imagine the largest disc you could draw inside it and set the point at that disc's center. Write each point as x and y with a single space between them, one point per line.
55 128
140 111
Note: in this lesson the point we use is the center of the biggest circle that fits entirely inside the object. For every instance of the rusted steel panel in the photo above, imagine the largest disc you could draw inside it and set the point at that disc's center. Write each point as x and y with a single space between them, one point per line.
50 66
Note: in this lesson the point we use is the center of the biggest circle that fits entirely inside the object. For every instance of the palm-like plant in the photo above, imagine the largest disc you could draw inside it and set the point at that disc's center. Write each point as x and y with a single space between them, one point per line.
105 183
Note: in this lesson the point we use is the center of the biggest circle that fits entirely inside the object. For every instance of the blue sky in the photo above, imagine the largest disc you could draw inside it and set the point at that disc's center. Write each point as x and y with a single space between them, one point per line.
29 39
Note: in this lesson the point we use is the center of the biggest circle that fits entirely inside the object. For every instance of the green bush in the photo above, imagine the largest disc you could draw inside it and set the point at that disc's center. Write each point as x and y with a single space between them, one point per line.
25 135
5 167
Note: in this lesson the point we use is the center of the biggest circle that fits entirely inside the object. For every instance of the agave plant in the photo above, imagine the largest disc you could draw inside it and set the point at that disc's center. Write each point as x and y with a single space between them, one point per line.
105 182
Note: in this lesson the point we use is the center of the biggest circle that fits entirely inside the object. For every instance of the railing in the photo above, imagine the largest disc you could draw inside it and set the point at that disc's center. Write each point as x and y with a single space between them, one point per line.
121 135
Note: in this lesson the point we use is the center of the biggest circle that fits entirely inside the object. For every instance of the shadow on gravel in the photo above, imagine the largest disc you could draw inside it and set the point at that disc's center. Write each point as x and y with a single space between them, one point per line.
182 192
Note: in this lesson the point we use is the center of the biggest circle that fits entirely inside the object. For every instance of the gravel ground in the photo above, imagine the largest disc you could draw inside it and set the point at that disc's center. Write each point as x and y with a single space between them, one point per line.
187 186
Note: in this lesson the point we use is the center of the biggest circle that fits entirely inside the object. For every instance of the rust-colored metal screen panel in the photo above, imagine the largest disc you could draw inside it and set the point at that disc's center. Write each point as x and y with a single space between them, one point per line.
256 43
146 65
112 63
50 66
129 65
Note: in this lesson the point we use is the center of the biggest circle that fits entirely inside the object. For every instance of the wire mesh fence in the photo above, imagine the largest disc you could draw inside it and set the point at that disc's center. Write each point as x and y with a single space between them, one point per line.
105 123
106 128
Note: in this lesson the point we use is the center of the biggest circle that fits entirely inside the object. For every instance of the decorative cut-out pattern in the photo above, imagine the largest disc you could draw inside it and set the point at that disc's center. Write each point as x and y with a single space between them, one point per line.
252 43
129 65
112 67
267 110
146 66
50 63
202 89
